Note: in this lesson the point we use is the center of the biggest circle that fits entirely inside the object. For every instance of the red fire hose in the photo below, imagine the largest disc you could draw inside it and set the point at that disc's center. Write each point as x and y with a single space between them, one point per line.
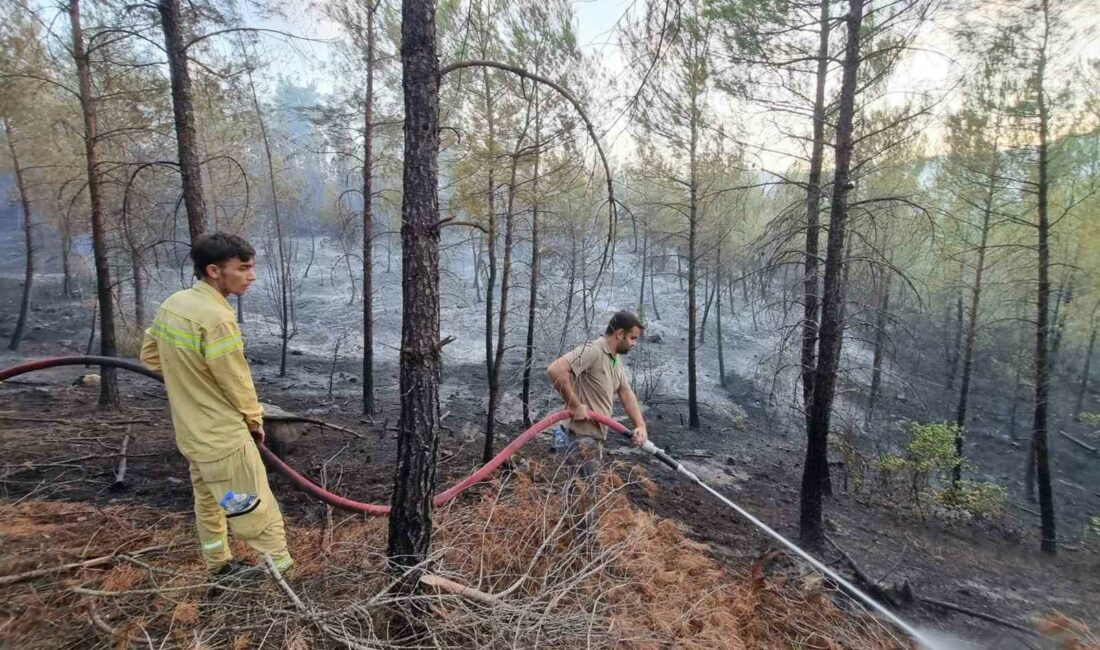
298 480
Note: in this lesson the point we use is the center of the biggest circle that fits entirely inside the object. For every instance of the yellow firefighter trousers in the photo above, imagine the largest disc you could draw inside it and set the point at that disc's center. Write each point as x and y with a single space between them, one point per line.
261 527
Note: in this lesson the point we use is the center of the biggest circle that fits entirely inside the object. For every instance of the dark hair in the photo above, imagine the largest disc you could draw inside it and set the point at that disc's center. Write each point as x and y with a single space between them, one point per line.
216 248
624 320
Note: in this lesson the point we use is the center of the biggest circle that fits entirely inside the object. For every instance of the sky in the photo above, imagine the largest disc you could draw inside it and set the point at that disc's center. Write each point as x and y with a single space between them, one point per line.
931 70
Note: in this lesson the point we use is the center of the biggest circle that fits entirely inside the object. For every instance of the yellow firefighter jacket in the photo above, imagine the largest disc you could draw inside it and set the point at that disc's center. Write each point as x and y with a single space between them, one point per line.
196 344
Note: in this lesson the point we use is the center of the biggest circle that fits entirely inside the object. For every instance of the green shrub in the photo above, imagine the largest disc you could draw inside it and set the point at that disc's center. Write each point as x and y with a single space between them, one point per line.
979 499
932 447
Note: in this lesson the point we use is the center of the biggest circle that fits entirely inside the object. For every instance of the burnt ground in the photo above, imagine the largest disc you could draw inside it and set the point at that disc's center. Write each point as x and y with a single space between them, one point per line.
56 445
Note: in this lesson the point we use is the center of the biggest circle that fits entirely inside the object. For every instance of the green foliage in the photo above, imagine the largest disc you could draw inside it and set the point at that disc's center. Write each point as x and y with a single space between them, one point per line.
1091 419
932 447
979 499
1094 524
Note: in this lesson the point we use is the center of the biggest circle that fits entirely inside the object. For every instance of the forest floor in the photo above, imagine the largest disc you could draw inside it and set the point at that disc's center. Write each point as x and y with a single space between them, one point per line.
57 448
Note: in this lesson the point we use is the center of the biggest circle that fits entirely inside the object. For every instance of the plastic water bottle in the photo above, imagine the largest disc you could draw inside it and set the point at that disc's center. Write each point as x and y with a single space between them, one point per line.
561 439
233 503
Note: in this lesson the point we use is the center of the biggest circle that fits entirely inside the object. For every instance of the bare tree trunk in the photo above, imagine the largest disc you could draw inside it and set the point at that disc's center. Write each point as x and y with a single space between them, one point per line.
284 270
569 290
693 231
970 347
66 252
709 291
502 322
956 345
108 386
1049 542
653 297
475 247
532 296
183 109
368 222
645 261
718 316
813 211
139 288
491 237
1061 314
28 239
815 471
410 523
1084 384
882 312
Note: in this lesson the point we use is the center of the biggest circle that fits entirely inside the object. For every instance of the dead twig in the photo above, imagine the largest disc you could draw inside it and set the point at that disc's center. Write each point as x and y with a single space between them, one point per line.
321 423
450 586
1079 443
37 573
120 474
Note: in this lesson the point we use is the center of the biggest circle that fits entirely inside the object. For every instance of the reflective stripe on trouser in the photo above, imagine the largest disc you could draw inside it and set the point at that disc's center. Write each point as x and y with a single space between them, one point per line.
261 527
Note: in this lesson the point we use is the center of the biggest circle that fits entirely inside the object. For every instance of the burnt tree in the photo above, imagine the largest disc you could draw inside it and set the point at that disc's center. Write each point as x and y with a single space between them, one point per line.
815 471
183 110
410 523
1039 445
813 211
108 386
368 222
28 237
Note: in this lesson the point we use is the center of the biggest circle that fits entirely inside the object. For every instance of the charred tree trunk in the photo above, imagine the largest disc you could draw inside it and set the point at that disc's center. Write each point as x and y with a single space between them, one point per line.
645 263
1049 542
183 110
533 295
653 298
709 291
410 523
956 345
718 317
1082 388
815 471
569 290
108 386
368 222
66 251
813 211
882 317
139 288
491 236
971 344
693 231
28 242
502 321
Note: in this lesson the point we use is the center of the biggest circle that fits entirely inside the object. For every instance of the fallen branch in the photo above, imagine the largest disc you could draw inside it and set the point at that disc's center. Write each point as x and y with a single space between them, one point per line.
37 573
1080 443
12 418
976 614
450 586
1027 510
872 586
100 624
120 474
321 423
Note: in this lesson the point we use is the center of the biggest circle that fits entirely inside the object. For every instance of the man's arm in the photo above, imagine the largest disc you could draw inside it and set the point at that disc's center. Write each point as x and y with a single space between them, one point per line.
225 358
150 353
561 375
630 405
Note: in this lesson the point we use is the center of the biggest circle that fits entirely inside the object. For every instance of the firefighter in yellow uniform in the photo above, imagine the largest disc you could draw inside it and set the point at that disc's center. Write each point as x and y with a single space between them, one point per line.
196 344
